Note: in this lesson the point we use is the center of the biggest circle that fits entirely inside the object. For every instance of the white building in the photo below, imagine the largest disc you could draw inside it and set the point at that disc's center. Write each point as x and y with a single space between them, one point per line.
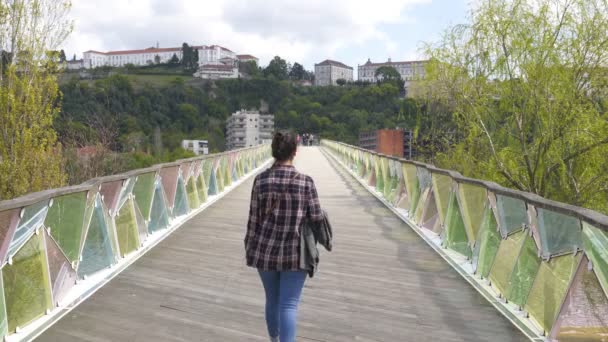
409 70
94 59
197 146
248 128
215 55
329 72
74 65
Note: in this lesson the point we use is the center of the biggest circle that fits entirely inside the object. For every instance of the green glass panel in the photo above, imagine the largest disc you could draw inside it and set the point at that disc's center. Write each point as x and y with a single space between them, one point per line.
97 253
201 188
143 190
127 190
411 185
489 241
181 199
206 170
126 229
33 218
63 276
524 272
596 248
66 220
27 284
442 185
379 174
219 177
559 233
472 200
213 189
426 193
159 218
512 214
584 316
424 177
142 227
3 318
549 289
227 172
455 235
505 260
192 191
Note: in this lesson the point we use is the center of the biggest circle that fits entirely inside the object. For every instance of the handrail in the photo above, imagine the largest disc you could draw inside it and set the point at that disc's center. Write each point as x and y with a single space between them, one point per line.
58 246
545 262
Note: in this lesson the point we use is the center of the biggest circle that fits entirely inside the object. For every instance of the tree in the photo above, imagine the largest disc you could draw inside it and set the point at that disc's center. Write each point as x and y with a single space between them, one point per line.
74 58
277 68
62 57
297 72
174 60
157 59
341 81
387 73
30 157
520 78
189 57
249 68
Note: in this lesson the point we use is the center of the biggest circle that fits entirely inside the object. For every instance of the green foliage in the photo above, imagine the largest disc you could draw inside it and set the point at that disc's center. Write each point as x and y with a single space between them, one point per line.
174 60
29 154
250 68
341 81
526 81
387 73
277 69
297 72
189 57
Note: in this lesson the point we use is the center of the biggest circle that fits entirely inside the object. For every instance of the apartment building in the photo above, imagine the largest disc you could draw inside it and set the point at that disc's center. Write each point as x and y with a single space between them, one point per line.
248 128
329 72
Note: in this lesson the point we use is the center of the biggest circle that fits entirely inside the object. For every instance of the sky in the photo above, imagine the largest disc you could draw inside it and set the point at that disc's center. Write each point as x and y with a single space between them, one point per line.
303 31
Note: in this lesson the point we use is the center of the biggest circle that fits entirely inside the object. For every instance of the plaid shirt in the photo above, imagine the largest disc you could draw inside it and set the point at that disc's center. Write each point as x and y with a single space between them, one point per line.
272 242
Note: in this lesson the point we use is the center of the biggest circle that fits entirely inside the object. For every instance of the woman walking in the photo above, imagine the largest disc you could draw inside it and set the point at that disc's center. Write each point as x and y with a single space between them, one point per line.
281 200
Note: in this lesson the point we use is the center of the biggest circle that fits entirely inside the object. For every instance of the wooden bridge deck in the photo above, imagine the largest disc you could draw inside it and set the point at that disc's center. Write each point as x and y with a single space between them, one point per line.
382 282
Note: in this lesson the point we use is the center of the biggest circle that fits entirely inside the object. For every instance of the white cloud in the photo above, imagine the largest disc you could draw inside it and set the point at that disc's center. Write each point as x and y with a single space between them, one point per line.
305 31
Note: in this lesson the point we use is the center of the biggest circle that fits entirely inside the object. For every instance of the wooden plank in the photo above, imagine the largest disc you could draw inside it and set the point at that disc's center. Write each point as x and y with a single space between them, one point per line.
381 283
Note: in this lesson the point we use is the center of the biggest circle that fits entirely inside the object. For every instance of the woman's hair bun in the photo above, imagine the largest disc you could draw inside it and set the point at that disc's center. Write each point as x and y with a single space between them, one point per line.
284 146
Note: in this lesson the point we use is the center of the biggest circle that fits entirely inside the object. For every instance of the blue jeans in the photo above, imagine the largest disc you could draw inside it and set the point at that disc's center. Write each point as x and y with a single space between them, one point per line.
283 291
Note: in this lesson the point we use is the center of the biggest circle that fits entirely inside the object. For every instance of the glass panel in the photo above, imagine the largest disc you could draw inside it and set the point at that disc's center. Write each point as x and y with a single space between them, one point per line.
549 289
181 199
442 185
430 217
206 170
143 190
63 276
511 213
142 227
127 190
584 316
559 233
110 192
213 190
455 235
505 260
424 177
524 273
421 205
379 174
32 219
27 284
193 194
489 240
596 248
169 180
97 253
202 188
412 185
66 221
126 229
3 319
8 223
472 200
160 217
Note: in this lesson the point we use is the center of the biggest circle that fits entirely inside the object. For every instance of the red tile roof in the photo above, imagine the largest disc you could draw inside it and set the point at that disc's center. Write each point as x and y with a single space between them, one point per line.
334 63
246 57
369 63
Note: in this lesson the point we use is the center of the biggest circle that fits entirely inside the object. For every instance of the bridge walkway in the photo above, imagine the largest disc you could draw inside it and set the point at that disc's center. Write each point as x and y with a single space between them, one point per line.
381 283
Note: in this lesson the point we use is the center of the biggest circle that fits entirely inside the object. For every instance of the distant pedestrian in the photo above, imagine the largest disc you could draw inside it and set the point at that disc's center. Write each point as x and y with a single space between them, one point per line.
282 199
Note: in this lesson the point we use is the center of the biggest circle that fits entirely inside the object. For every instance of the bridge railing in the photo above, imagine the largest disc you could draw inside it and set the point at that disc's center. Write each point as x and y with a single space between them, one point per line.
545 260
53 240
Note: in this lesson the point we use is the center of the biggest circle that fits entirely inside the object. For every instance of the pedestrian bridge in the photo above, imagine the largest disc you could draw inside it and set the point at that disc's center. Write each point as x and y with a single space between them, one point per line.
420 254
